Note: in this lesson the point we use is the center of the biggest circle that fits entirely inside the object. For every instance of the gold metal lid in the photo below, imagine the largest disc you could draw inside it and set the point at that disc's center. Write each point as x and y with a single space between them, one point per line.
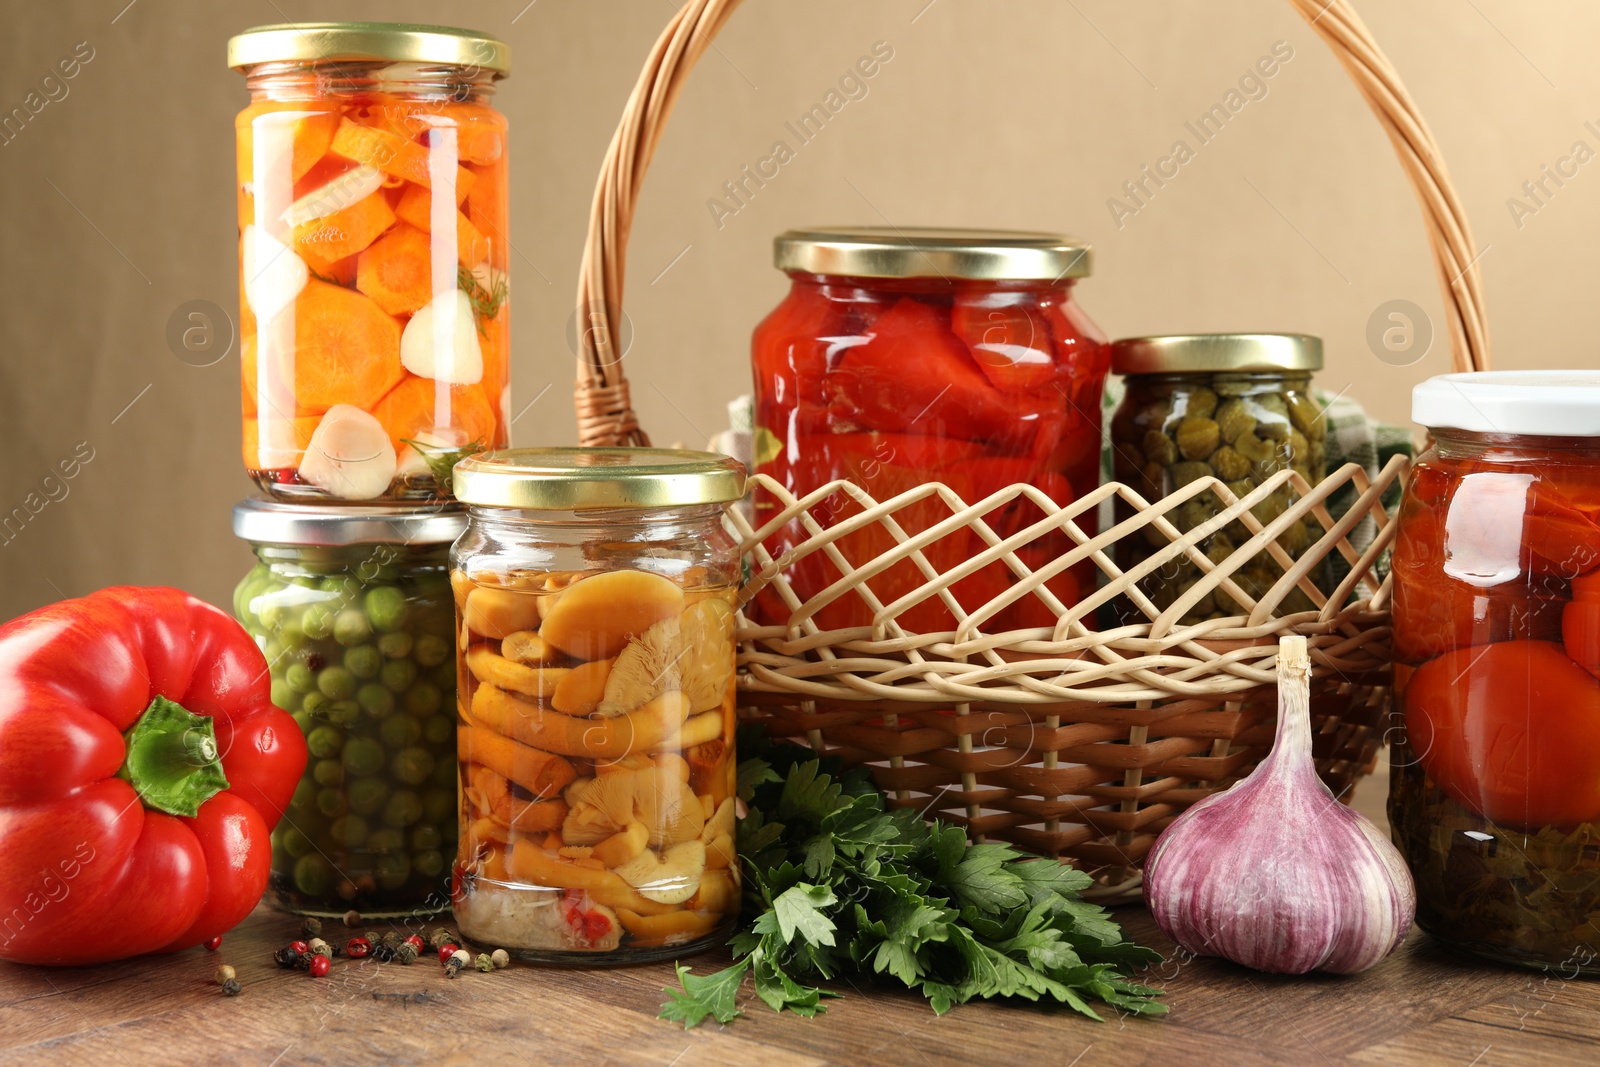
385 42
1217 352
932 252
580 479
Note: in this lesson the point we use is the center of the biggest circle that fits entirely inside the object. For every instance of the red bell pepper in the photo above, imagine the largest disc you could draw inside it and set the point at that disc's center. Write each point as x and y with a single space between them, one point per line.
142 768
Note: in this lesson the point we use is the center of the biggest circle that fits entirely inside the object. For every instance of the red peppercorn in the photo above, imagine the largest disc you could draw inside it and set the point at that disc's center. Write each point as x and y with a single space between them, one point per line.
319 966
298 946
358 948
446 950
214 944
416 942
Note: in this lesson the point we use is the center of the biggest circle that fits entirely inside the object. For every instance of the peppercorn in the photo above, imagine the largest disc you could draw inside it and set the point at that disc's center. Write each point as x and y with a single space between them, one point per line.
358 948
392 938
440 937
287 958
230 987
310 926
319 966
382 953
319 947
416 942
447 949
352 918
298 946
501 958
224 973
484 962
406 953
458 959
214 944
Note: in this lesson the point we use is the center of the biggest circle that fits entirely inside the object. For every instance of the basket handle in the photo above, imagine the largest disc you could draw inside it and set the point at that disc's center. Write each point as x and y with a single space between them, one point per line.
605 412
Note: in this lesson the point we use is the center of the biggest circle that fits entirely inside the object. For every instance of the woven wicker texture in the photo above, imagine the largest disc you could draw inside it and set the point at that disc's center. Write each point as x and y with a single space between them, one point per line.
1072 742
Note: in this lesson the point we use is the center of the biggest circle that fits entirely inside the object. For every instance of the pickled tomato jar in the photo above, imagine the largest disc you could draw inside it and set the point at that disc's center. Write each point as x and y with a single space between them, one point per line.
1494 792
352 608
595 604
1236 407
901 357
374 316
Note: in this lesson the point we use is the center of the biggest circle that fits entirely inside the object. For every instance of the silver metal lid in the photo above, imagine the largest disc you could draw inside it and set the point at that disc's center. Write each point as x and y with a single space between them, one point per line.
932 252
270 522
1217 353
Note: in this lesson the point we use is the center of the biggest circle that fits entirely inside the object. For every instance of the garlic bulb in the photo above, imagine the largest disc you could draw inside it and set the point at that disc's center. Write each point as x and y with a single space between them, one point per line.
1275 873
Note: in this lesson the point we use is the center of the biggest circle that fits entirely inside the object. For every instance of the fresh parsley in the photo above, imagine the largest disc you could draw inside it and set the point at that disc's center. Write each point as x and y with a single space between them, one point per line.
838 885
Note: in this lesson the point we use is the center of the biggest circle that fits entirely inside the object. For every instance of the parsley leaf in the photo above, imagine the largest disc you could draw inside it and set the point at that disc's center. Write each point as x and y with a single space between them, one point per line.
714 995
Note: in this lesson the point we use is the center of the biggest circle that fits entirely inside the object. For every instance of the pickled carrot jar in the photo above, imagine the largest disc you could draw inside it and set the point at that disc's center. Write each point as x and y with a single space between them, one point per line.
1494 794
595 603
374 318
901 357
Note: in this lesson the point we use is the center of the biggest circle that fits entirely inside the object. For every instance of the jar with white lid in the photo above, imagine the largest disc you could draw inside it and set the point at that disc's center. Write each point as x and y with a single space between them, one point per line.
1495 788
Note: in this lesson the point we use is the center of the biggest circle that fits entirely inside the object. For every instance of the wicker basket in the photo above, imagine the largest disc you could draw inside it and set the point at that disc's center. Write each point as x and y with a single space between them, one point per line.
1071 742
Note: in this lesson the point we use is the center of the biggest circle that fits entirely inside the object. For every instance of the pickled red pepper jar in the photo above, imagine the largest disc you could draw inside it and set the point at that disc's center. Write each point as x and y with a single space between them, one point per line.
901 357
1494 794
373 319
352 608
595 602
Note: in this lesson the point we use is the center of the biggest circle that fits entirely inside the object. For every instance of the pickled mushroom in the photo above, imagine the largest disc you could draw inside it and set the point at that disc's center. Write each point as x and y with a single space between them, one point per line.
670 878
645 669
654 797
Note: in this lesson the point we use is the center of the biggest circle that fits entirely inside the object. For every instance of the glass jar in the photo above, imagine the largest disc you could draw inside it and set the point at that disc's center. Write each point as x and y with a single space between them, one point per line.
595 593
901 357
1494 795
1237 407
373 323
352 608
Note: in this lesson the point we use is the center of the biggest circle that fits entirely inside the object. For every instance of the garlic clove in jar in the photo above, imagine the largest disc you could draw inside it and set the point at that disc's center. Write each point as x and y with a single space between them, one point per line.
273 273
350 455
441 341
1275 873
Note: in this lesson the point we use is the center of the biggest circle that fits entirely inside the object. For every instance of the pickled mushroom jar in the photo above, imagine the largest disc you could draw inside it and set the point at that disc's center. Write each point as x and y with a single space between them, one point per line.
373 319
1237 407
901 357
352 608
1494 791
595 601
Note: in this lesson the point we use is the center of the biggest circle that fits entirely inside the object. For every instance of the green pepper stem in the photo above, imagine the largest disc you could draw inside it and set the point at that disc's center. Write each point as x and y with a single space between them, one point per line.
172 760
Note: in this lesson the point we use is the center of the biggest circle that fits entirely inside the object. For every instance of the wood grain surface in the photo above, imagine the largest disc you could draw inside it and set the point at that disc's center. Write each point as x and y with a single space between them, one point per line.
1424 1005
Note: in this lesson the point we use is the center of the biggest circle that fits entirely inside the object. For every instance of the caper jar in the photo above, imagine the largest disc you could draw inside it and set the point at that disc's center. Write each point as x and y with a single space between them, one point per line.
1234 406
595 596
351 606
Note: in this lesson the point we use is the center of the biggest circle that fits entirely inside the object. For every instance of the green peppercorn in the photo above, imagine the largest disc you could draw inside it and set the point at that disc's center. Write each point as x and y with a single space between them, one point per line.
386 608
405 952
430 650
362 756
484 962
395 645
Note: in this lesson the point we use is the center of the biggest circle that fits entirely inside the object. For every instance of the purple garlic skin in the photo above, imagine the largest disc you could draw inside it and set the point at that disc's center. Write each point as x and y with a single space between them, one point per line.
1275 874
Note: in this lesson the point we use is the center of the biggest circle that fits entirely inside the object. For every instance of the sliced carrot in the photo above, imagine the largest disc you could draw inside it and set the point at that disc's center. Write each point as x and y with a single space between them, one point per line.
346 231
247 371
394 155
346 349
410 409
416 208
339 271
395 270
311 134
287 440
486 207
496 360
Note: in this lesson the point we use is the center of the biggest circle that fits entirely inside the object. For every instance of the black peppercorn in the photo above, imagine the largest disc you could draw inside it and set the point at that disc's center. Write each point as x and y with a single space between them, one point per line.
287 958
310 926
383 953
230 987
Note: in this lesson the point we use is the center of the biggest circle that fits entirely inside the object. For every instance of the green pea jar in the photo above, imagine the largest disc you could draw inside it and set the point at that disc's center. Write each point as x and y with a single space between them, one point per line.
1237 407
352 608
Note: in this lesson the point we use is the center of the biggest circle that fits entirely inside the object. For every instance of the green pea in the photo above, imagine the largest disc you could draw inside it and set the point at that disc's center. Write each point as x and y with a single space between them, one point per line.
314 704
444 676
392 870
363 661
362 756
426 837
343 586
273 614
429 864
348 830
366 795
375 700
282 695
398 674
430 650
350 627
295 843
336 683
305 796
324 741
439 805
386 608
304 581
344 713
304 721
444 774
272 649
403 809
300 678
291 633
400 730
423 699
439 730
395 646
331 802
313 875
327 772
385 839
317 620
412 765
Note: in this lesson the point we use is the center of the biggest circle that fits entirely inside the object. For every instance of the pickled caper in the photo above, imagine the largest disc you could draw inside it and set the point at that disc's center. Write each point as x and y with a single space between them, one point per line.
1197 438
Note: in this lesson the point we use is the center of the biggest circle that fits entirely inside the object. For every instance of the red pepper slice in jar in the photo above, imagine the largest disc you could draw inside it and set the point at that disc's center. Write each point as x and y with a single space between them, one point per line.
1580 622
1008 337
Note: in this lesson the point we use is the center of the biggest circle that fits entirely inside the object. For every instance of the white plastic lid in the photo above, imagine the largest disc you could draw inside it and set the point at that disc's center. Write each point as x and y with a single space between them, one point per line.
1552 403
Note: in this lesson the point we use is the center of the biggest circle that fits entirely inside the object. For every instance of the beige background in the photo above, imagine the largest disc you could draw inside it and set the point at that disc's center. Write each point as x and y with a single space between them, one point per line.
116 207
